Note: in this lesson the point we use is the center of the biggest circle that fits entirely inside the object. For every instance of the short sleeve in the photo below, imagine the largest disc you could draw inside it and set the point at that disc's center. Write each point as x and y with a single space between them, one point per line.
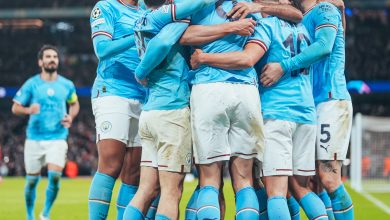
263 33
102 20
72 95
165 15
326 15
24 94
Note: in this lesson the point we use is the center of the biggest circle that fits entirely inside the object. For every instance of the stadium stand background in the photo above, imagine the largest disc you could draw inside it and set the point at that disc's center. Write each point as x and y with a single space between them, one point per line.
368 59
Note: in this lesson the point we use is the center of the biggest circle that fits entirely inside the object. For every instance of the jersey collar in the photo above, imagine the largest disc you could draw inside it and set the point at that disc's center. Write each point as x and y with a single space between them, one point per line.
127 5
310 9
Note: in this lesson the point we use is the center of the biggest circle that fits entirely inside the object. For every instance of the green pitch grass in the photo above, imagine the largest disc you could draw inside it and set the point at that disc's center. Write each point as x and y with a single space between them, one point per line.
72 201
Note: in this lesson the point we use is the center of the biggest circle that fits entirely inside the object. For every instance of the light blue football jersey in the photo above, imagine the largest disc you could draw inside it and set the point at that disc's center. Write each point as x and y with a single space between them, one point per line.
115 75
212 15
168 83
291 97
328 74
52 97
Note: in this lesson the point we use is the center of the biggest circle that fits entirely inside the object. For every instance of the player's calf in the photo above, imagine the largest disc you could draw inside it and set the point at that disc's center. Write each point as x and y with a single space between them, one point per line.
171 191
51 191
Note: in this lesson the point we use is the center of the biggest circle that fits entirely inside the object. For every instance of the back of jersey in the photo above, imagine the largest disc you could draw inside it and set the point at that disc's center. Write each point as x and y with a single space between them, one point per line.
291 97
212 15
168 82
329 78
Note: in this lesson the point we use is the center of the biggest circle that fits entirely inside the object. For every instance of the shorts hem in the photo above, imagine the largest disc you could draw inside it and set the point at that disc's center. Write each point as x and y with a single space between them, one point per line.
214 160
304 172
244 156
277 173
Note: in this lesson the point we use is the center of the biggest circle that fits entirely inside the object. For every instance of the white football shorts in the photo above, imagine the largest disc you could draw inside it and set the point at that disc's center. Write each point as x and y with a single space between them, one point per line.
289 148
334 120
226 121
39 153
166 140
117 118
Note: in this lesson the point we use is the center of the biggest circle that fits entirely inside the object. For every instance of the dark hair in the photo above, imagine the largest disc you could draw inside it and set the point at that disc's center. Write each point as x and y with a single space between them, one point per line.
44 48
154 3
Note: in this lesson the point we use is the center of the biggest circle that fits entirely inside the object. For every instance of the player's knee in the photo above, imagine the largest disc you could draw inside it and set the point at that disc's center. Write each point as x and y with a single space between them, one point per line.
112 169
149 191
131 175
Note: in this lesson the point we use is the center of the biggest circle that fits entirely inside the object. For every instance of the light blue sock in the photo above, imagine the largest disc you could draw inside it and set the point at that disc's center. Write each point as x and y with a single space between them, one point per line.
151 214
328 204
191 206
51 190
342 204
162 217
125 195
247 205
208 204
30 194
277 208
262 198
294 208
313 207
100 196
132 213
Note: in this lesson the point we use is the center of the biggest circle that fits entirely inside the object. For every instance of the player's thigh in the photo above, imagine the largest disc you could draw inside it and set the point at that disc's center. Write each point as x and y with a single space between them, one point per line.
56 151
174 142
304 139
278 147
333 129
33 156
131 166
210 122
112 118
135 112
246 135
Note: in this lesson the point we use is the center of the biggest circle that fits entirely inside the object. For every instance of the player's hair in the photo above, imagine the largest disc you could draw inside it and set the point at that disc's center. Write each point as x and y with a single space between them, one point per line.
154 3
44 48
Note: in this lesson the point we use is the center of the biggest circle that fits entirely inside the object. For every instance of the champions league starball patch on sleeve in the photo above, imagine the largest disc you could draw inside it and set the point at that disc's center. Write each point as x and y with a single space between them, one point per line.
96 13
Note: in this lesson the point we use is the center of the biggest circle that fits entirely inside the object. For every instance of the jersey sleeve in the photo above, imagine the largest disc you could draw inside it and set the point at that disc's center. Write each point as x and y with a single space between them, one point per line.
102 20
24 94
72 95
326 15
159 47
165 15
263 34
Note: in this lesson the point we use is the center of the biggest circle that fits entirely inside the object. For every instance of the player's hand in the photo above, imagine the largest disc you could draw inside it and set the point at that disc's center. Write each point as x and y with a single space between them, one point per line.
244 27
34 109
196 59
241 10
67 121
143 82
271 74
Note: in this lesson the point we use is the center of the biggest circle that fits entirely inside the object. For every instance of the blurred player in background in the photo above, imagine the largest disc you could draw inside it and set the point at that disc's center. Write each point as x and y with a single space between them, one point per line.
116 105
44 97
333 102
165 120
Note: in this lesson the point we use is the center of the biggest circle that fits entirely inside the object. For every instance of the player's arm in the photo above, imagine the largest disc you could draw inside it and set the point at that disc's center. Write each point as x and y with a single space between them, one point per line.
254 49
203 34
284 11
341 6
105 47
21 102
74 108
178 11
159 47
232 60
19 109
102 22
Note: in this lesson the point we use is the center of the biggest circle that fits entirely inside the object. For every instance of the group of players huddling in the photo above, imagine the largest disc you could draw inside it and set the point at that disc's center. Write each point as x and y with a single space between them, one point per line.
257 84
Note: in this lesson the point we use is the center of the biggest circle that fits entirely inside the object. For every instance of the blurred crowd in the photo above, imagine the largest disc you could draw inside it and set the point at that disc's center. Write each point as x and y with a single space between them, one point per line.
368 58
46 3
